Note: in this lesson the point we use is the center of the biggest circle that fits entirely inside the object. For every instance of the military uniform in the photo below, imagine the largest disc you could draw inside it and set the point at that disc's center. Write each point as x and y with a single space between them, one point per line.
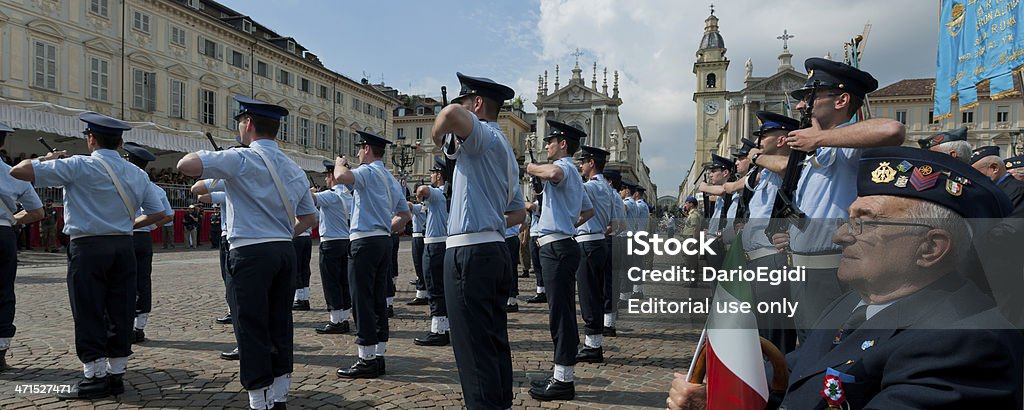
512 241
719 225
616 246
594 254
335 205
303 255
419 222
266 190
435 234
102 192
541 296
12 193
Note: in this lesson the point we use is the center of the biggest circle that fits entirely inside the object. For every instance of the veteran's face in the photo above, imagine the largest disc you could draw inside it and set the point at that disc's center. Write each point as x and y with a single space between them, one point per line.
882 257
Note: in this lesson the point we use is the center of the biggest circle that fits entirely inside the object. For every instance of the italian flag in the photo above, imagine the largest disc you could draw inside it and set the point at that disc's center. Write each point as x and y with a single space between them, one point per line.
735 367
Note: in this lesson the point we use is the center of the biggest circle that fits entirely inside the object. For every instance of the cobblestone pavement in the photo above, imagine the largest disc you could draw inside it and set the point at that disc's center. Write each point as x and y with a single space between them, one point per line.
178 366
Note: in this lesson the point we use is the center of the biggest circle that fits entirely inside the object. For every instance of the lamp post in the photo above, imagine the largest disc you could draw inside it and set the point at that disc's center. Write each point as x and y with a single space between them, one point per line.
403 157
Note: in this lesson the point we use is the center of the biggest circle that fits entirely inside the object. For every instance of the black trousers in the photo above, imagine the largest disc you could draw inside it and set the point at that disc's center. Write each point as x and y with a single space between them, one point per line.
777 328
535 257
393 267
476 290
612 264
433 275
101 287
143 243
8 271
303 256
215 237
224 273
369 267
513 250
334 274
560 260
417 262
262 278
590 276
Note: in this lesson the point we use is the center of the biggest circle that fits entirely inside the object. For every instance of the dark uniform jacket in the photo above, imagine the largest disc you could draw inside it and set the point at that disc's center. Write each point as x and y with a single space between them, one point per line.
944 346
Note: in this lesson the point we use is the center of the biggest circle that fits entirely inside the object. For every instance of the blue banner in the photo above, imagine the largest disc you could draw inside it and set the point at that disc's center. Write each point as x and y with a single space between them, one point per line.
979 40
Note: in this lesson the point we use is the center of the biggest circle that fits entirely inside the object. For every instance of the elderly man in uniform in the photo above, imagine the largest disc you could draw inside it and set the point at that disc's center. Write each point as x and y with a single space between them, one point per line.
336 206
594 252
270 201
102 192
831 97
12 193
379 211
486 199
143 242
952 142
435 235
616 245
565 207
913 333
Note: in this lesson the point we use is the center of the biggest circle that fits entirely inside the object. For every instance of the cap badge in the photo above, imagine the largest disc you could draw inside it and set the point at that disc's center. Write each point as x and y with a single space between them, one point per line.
954 188
883 174
901 182
923 178
810 73
904 166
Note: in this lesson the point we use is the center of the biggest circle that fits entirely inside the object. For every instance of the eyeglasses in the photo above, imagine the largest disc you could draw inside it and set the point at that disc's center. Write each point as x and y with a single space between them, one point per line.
855 226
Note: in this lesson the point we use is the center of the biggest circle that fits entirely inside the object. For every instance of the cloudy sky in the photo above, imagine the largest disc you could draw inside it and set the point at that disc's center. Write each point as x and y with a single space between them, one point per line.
416 46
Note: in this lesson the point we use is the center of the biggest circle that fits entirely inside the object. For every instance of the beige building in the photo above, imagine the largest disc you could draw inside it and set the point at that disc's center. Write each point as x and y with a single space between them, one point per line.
990 122
596 112
170 68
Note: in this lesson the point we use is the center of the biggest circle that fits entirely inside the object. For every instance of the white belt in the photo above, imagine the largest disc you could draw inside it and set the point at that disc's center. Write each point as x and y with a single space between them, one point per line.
761 252
589 237
826 261
417 234
4 222
140 231
73 237
240 242
475 238
322 239
305 234
551 237
434 239
359 235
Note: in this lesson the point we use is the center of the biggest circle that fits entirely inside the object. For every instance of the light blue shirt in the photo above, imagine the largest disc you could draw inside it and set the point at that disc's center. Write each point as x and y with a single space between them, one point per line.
643 215
220 197
534 219
729 233
485 183
159 192
827 188
335 209
563 201
512 231
629 206
14 191
375 205
760 208
419 218
258 212
437 214
92 205
604 200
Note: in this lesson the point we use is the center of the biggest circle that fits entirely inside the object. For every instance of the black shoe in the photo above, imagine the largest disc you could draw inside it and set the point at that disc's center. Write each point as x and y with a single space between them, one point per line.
363 369
383 367
541 382
232 355
391 311
139 336
608 331
554 390
417 302
590 355
3 359
116 383
300 305
89 388
279 405
226 320
540 298
511 308
334 328
433 339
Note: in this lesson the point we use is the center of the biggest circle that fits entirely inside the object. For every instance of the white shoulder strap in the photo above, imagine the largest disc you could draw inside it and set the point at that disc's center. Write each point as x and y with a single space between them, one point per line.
120 189
280 187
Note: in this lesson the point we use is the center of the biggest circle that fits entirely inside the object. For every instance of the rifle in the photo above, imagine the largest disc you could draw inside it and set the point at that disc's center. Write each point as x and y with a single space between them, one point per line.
215 147
535 183
449 150
784 211
708 210
48 147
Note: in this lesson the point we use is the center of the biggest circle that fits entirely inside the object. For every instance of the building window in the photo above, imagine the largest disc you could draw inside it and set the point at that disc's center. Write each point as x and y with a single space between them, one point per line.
208 47
352 150
322 93
931 117
437 109
262 69
367 108
237 59
1003 114
177 36
419 135
901 116
45 65
419 110
144 95
401 111
321 136
291 46
967 117
177 103
141 22
400 133
304 132
356 104
305 85
283 131
284 77
99 77
339 98
380 113
233 109
207 106
712 81
98 7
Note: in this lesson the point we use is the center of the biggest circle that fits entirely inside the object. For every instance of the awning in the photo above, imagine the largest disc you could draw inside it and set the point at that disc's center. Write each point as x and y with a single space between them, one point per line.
56 119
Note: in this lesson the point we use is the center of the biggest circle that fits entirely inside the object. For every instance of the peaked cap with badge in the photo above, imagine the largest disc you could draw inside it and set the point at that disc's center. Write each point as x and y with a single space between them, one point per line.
959 134
822 73
484 87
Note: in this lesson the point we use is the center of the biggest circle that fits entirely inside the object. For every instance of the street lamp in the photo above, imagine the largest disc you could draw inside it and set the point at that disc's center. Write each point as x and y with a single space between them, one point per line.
403 157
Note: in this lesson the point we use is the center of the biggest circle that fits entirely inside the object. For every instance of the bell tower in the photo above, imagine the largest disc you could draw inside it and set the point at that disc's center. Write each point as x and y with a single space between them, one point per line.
710 70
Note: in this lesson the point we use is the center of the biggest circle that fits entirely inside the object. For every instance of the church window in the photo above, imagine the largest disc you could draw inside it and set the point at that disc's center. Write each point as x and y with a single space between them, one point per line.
711 80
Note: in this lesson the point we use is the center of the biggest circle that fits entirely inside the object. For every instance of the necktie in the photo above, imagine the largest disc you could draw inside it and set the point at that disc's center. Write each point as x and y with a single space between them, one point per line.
857 318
